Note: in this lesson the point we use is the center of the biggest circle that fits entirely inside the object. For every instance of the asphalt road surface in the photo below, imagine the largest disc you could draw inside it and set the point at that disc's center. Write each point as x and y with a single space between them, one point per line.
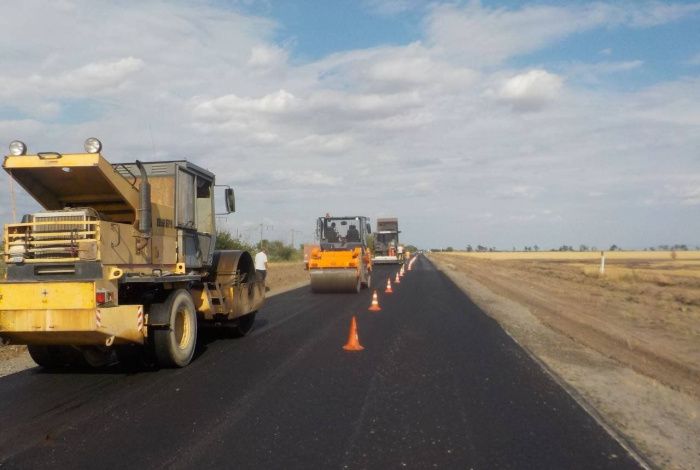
439 385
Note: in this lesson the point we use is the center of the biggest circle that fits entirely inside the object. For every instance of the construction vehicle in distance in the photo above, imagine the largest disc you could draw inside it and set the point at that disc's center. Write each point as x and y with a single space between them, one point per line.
121 261
386 242
342 261
308 248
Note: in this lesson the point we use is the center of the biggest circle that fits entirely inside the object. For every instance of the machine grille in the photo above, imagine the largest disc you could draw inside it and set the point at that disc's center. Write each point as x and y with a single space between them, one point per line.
55 235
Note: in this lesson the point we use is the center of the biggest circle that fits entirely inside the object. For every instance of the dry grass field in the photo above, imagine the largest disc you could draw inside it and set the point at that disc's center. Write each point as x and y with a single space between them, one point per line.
644 311
628 340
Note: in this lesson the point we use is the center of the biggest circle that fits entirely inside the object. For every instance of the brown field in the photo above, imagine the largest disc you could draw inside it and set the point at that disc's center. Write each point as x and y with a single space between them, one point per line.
286 275
628 341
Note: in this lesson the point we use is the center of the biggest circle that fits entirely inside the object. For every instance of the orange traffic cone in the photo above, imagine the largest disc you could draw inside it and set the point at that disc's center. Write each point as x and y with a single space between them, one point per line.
401 272
374 307
388 289
353 340
398 279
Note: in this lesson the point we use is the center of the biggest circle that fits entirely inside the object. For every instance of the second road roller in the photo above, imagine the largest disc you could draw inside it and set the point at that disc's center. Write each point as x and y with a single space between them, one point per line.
342 261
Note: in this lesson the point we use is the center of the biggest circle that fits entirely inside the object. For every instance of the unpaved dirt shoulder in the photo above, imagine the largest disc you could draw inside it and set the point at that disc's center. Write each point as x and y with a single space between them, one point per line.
662 423
282 277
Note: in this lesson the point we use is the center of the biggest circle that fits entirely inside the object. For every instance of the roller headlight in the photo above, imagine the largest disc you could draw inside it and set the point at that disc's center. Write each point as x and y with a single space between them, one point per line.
93 145
17 148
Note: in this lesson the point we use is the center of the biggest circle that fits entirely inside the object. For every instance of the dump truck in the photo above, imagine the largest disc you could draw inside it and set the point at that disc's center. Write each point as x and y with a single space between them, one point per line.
342 261
120 261
386 242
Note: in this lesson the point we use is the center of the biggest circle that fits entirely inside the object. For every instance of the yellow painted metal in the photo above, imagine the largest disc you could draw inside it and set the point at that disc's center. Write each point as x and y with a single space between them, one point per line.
335 259
74 326
115 273
338 270
61 180
47 295
203 302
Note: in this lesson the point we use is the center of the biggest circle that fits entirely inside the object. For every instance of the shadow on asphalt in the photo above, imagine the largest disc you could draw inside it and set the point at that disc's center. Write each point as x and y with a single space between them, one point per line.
205 337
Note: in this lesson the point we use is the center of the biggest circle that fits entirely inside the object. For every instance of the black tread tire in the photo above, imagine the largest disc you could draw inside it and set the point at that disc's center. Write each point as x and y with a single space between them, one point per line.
171 351
45 356
54 357
96 357
244 325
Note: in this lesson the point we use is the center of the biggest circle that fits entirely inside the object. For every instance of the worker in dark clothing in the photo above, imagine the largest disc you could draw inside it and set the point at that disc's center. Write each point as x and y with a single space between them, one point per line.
353 235
332 233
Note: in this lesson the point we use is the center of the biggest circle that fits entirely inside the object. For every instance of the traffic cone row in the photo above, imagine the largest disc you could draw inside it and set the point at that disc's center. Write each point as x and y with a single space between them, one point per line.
353 343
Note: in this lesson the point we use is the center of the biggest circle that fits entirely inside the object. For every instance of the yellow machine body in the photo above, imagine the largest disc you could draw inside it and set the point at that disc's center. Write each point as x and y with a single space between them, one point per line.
342 261
111 240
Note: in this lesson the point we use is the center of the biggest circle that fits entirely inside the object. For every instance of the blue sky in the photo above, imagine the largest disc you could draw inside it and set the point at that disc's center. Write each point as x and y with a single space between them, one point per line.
504 123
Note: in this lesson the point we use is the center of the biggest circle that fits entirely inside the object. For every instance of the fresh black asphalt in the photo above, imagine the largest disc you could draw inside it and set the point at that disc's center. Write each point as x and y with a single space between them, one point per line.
439 385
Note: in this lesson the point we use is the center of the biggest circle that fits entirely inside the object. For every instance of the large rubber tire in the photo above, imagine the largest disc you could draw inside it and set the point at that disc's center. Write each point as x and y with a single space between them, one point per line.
97 357
244 325
54 357
174 346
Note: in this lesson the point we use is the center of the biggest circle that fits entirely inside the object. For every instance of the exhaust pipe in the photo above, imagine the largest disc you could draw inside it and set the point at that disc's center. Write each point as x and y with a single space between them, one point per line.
144 202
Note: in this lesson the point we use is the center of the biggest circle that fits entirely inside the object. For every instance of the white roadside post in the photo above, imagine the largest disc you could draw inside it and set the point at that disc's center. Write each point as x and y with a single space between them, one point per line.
602 263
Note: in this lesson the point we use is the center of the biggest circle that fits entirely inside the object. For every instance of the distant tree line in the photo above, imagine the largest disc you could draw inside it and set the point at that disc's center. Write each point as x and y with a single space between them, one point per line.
582 247
276 250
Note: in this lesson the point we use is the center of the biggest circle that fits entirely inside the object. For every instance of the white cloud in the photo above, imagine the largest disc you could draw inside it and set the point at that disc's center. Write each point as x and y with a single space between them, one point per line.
433 131
479 35
595 72
531 90
267 57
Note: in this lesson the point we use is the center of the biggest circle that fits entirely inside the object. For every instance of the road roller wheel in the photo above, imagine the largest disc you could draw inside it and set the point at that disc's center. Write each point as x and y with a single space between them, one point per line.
48 357
340 280
174 345
97 356
244 325
54 357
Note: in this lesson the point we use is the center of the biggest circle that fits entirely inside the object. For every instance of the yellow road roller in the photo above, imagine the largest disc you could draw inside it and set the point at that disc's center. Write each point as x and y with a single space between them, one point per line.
120 261
342 260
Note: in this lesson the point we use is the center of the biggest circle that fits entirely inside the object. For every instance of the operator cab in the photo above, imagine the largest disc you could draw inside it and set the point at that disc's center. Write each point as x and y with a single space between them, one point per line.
342 233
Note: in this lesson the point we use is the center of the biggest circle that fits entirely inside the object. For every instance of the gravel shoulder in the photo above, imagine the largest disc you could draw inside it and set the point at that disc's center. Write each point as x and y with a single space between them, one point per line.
659 420
282 277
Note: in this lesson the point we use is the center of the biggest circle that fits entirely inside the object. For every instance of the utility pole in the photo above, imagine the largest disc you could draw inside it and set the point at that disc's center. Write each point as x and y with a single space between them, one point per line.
264 227
292 231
